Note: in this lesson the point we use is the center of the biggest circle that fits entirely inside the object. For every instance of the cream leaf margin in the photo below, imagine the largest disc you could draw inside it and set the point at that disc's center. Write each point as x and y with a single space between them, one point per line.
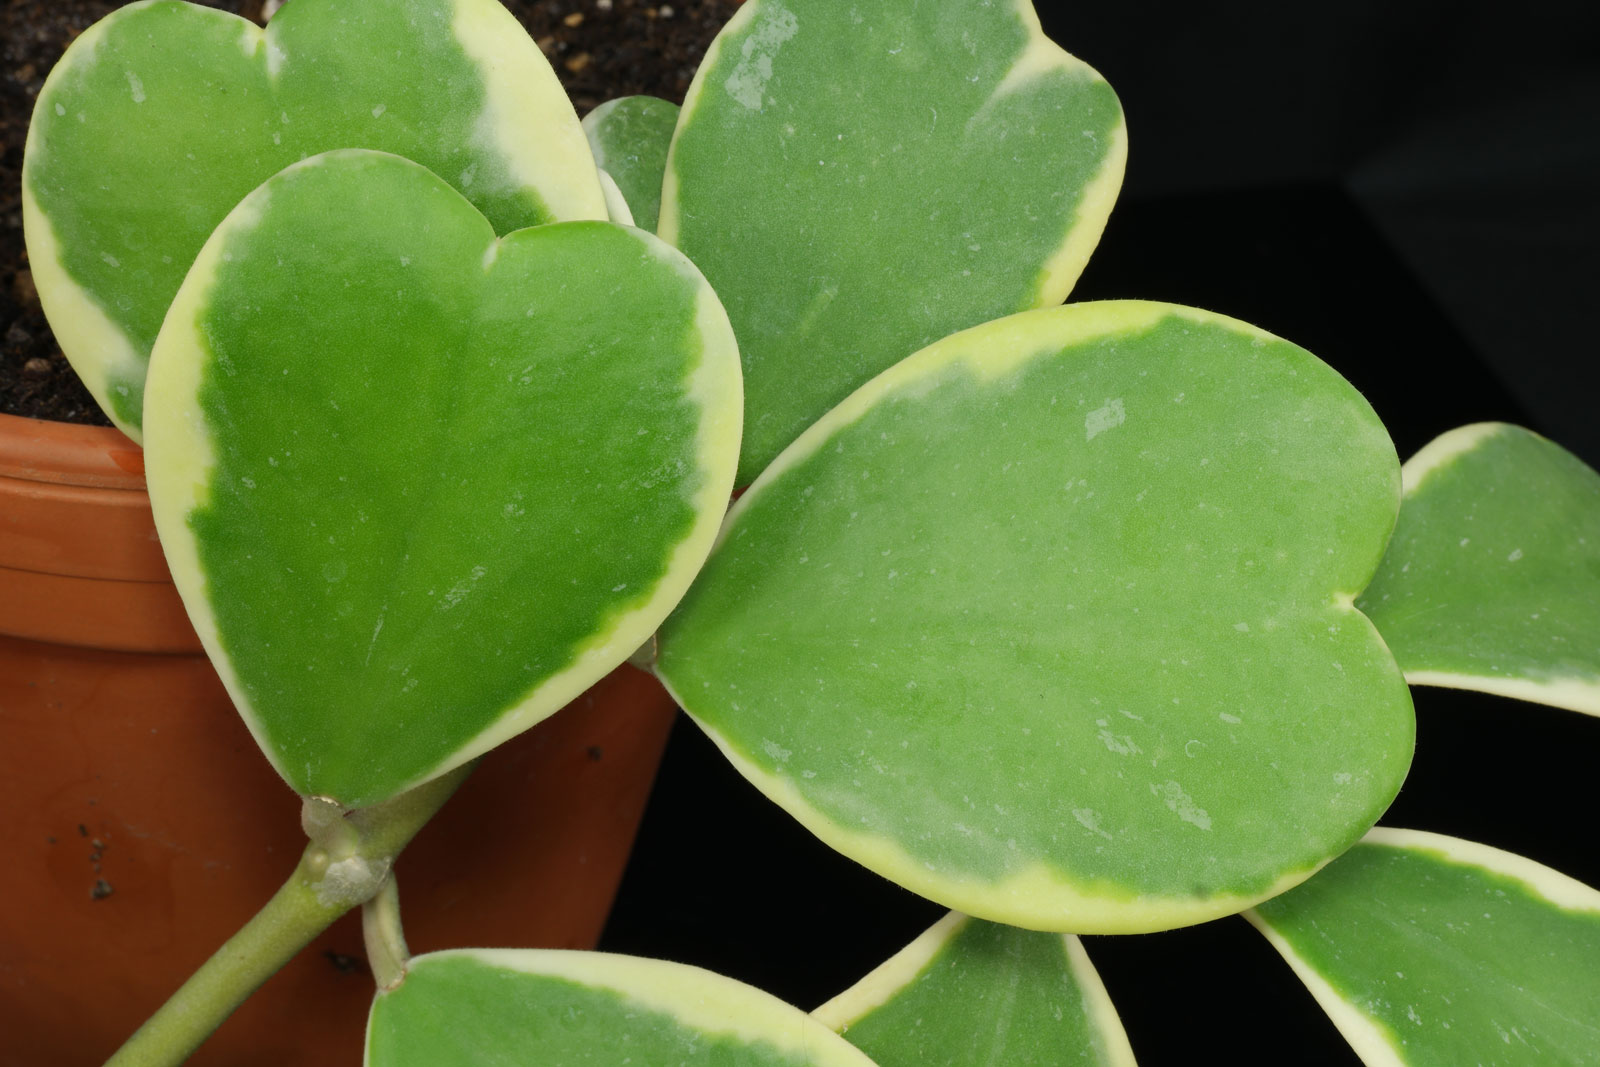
1375 1043
699 999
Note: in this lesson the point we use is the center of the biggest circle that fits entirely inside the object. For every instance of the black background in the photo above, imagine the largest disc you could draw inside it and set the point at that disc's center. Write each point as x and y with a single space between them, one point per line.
1410 190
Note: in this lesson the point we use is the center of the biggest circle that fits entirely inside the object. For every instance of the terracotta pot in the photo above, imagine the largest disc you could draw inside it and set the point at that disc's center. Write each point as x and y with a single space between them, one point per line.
142 827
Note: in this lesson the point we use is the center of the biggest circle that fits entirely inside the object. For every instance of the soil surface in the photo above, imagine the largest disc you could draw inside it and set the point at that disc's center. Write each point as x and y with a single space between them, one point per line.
601 49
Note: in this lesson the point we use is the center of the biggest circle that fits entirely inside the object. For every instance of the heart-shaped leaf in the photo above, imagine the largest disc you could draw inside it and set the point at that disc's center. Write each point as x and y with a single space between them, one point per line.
1052 622
476 1007
1426 949
629 138
419 487
162 116
970 994
901 170
1492 579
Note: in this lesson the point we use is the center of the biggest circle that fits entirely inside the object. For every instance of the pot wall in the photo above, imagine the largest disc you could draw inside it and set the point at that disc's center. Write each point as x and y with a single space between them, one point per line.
142 827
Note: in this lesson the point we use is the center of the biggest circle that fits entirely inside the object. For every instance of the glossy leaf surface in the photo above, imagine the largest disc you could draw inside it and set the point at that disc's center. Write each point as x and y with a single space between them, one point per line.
629 138
1492 580
497 1008
420 486
859 180
162 116
970 993
1052 622
1430 950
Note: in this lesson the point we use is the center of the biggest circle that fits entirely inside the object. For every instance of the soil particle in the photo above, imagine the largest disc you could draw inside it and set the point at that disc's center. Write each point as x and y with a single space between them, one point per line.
600 49
101 890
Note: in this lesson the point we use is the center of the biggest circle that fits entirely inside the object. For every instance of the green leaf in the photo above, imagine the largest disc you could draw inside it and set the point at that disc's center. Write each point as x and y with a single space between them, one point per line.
162 116
969 994
901 170
1052 622
419 486
1492 579
629 138
489 1007
1425 949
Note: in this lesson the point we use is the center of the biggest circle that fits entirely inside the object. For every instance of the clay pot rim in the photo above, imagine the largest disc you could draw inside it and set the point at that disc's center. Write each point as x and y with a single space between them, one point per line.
64 453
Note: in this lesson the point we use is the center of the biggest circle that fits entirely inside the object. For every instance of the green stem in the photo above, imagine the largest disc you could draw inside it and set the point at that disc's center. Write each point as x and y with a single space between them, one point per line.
387 954
338 871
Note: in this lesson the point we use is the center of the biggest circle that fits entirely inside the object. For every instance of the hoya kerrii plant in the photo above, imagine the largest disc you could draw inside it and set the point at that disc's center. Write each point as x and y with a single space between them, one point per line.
1093 618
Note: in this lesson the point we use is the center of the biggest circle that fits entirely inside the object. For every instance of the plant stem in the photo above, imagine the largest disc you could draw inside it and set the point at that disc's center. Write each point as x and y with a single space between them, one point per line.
338 871
387 954
287 924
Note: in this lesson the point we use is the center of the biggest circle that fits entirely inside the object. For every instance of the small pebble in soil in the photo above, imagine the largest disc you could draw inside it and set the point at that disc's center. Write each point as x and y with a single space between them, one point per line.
101 890
24 290
36 368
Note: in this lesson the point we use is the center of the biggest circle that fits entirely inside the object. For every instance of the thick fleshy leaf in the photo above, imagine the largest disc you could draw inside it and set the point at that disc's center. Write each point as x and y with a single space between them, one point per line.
487 1007
162 116
1430 950
1052 622
419 486
970 993
629 138
900 170
1492 579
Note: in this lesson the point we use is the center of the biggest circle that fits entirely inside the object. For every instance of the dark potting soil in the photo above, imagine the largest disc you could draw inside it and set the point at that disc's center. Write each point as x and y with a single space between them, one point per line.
600 49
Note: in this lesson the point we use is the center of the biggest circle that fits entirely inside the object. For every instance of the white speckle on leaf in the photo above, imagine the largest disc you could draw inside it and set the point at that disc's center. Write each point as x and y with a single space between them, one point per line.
378 111
1109 416
1182 804
1516 554
334 571
1465 541
748 82
1342 778
1122 745
376 630
110 260
60 110
459 591
1089 821
776 751
1231 720
135 86
1242 627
